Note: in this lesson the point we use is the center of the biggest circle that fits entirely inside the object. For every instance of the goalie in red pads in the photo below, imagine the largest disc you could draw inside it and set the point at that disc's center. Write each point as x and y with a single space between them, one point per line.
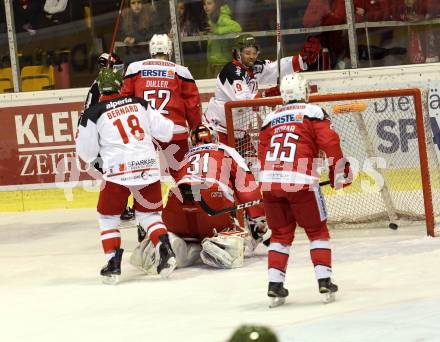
212 175
290 141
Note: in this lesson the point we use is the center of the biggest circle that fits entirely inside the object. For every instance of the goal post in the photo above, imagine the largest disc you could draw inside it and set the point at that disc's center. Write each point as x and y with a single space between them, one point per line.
386 127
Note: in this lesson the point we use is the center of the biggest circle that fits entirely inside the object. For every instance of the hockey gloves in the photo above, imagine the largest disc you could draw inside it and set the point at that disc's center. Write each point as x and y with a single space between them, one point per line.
310 51
340 175
258 229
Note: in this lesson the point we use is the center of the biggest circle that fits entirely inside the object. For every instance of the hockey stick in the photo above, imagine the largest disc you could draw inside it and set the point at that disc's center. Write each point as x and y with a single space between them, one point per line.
278 29
244 205
115 31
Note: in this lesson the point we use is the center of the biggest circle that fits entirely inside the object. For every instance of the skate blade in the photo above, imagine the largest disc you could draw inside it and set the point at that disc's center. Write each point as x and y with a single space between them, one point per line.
328 297
112 279
276 301
165 273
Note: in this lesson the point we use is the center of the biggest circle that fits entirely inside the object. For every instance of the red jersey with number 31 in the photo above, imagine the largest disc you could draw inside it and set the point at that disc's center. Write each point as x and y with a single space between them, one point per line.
225 174
169 88
289 143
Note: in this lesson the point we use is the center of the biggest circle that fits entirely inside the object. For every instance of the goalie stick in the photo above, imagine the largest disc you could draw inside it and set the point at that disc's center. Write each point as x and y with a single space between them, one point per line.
244 205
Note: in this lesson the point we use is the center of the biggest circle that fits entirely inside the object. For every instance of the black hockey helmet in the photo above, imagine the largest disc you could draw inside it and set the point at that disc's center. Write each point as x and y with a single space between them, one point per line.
201 135
253 333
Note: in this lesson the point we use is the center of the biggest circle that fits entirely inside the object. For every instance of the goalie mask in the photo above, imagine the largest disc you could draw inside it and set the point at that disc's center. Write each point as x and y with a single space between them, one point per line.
202 135
161 44
294 87
109 81
250 333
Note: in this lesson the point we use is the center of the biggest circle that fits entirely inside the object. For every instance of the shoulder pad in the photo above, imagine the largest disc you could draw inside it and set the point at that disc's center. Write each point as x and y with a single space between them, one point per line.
231 73
315 112
184 72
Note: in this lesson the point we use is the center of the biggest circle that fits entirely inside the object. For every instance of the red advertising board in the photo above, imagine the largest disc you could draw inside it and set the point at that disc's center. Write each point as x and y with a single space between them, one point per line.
37 144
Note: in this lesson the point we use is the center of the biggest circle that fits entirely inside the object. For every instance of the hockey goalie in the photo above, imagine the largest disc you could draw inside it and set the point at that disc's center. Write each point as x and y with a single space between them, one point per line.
212 177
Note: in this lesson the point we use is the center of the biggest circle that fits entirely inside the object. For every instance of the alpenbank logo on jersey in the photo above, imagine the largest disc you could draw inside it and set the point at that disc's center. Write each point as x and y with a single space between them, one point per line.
288 118
163 73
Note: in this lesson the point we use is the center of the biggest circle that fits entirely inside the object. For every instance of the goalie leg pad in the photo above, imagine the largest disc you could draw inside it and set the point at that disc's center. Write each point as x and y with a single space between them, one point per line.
187 254
143 257
223 251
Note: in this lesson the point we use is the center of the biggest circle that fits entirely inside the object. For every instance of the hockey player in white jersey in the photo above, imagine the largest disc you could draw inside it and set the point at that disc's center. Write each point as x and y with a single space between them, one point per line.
240 78
122 129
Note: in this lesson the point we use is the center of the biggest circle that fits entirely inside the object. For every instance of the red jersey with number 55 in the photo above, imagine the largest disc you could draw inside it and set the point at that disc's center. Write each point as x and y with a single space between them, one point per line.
289 143
169 88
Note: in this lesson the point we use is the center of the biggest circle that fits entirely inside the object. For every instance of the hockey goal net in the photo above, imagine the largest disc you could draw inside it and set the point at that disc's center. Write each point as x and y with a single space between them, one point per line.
387 137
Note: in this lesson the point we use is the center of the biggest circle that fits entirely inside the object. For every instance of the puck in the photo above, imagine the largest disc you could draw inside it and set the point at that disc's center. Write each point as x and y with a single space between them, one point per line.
393 226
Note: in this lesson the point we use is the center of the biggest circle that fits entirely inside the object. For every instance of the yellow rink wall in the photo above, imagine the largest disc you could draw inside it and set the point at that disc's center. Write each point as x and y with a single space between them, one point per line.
49 199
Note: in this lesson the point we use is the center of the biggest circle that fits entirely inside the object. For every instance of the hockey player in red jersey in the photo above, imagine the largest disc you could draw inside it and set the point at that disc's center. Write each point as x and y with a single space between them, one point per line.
213 176
289 143
170 88
121 130
240 79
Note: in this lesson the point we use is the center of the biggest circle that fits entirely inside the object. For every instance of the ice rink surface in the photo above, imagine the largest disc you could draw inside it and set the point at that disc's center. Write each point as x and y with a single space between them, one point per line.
50 289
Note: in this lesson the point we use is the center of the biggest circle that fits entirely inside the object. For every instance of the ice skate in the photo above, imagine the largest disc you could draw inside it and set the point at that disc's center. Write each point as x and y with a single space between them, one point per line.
167 258
327 289
277 294
111 272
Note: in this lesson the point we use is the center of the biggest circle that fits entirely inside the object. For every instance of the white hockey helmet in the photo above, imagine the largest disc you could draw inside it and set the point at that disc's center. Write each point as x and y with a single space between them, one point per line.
161 43
294 87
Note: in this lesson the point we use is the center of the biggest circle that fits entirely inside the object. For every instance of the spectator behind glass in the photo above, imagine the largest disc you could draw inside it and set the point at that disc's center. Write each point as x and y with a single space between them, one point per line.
373 10
190 24
135 28
56 11
135 22
325 13
219 22
27 14
161 19
423 41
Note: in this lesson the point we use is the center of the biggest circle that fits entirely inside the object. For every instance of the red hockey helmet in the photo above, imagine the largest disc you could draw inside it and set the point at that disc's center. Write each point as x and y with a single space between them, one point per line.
201 135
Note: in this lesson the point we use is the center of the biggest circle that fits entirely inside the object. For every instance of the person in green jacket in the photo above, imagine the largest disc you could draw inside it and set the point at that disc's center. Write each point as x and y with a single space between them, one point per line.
219 22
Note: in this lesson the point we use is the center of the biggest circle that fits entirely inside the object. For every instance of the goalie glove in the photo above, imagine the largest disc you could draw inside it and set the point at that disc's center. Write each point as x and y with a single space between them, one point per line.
310 50
259 231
